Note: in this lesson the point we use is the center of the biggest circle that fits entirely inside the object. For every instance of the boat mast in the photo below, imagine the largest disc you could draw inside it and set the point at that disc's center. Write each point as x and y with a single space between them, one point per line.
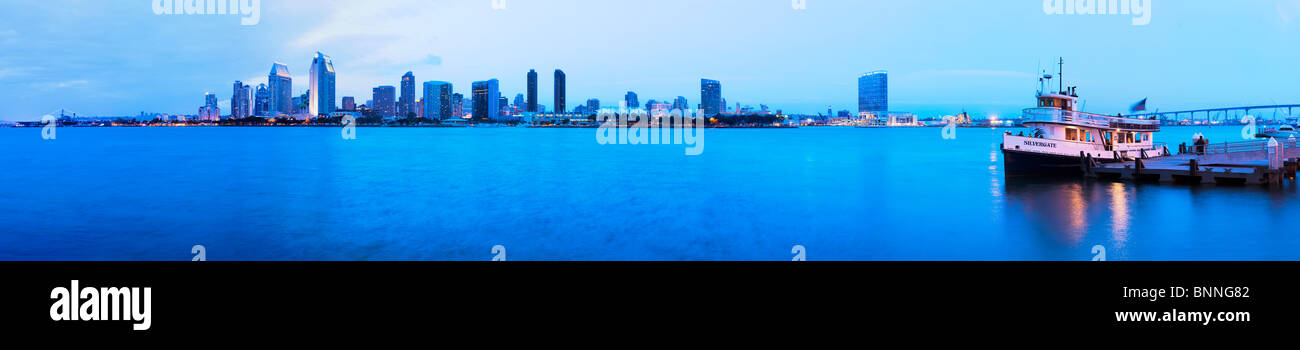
1060 75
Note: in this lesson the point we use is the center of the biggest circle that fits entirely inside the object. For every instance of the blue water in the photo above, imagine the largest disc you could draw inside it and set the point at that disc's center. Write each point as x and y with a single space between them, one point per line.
555 194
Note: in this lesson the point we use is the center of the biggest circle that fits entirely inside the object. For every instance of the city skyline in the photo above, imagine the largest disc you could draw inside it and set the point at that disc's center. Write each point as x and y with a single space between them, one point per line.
982 66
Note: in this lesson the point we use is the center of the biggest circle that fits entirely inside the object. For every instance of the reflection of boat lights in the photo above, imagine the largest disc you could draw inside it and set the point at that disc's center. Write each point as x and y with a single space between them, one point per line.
1119 213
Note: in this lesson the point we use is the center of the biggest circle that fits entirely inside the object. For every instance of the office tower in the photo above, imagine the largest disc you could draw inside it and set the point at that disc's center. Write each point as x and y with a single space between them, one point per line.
486 100
349 103
280 84
385 100
438 98
322 99
680 103
873 92
239 104
520 102
532 90
559 92
406 102
262 101
457 105
593 105
210 99
631 100
711 101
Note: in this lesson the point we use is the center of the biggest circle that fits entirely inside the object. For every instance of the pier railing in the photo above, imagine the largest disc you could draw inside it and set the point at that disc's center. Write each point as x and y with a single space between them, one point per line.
1241 146
1090 119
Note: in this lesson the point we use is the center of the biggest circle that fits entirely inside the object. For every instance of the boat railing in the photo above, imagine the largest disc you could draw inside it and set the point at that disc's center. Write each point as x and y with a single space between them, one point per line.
1090 119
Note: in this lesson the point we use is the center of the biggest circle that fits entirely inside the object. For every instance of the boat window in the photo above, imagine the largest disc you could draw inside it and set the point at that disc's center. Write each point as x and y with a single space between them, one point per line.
1071 135
1087 135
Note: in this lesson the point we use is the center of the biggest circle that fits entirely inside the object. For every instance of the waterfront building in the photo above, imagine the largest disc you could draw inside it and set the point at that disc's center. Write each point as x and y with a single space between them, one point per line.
321 100
711 101
280 85
458 105
560 106
873 93
240 106
210 99
438 98
406 101
593 105
681 104
532 91
486 96
520 102
349 103
385 100
261 100
504 104
632 102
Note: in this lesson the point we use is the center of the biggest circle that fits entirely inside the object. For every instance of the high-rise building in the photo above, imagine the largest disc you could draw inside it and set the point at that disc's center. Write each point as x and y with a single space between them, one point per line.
349 103
532 91
504 104
873 92
486 95
385 100
322 99
262 101
280 84
560 107
711 102
240 106
680 103
457 105
210 99
406 102
438 98
521 102
593 105
631 100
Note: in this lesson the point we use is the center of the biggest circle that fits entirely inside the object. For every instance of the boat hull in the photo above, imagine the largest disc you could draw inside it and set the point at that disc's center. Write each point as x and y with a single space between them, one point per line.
1026 164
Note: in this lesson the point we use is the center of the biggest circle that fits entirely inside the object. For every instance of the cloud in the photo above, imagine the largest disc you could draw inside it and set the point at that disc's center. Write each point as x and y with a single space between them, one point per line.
1288 9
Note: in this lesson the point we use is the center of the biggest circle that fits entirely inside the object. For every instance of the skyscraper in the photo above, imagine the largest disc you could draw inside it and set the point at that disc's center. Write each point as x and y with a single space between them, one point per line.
631 100
873 92
711 102
406 102
385 98
486 99
680 103
281 85
559 92
521 102
593 105
262 101
239 103
322 99
532 90
457 105
349 103
437 100
210 99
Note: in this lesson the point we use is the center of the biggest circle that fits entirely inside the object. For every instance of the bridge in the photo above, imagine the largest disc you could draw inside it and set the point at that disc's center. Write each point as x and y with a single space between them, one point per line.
1229 115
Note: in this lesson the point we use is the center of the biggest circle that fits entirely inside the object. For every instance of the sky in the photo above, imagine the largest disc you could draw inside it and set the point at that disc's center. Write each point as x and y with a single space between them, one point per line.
119 58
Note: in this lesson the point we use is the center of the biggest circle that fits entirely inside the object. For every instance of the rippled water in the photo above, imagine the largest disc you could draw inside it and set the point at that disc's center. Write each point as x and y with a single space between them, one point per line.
555 194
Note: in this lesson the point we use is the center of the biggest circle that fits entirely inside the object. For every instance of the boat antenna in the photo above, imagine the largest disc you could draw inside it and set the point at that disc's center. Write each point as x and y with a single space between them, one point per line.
1060 75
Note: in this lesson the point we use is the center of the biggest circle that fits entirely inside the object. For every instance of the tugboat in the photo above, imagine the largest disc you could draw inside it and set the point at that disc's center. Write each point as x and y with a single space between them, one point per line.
1285 131
1062 137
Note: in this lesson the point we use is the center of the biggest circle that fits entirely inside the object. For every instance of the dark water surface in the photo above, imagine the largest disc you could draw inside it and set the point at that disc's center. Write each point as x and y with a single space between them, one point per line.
555 194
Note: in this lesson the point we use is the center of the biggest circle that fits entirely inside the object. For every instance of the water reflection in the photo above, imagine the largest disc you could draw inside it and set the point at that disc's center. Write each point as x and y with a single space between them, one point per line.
1120 215
1057 208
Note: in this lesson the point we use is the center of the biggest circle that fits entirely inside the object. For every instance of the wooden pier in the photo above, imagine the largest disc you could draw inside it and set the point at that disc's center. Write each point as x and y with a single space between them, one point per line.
1234 163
